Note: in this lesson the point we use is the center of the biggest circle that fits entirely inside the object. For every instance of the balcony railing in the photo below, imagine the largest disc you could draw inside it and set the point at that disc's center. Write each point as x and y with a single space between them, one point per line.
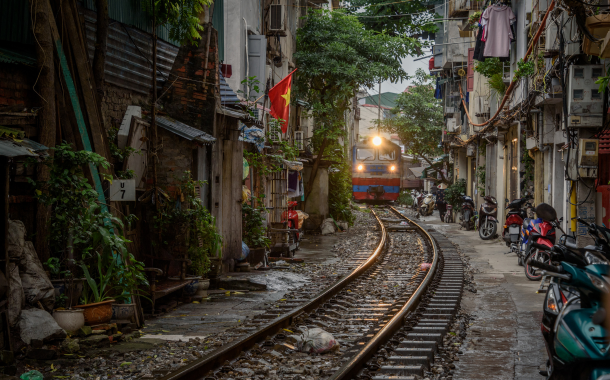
459 8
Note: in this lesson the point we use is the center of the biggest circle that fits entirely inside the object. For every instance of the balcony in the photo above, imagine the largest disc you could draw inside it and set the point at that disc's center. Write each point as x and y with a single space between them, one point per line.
460 8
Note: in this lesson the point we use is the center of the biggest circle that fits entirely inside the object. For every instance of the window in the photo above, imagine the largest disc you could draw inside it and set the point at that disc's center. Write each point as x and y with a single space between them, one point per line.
365 154
579 73
578 94
597 72
595 94
387 154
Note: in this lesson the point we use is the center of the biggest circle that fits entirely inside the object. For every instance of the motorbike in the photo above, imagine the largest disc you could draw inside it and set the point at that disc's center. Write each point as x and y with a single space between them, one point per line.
448 214
573 317
427 205
291 219
515 218
467 212
538 235
488 218
417 199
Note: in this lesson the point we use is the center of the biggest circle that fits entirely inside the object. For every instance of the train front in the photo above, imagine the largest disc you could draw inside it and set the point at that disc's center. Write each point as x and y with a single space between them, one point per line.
376 170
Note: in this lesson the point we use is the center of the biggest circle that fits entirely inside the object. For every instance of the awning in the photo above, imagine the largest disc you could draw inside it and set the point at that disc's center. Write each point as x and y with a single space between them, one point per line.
184 130
21 148
294 165
417 172
12 56
227 95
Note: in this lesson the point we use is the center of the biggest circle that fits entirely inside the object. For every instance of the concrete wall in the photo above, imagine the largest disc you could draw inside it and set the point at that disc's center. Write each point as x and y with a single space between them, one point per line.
317 203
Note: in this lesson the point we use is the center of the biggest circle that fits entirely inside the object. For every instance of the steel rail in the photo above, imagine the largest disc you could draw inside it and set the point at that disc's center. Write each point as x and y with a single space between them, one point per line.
199 368
355 364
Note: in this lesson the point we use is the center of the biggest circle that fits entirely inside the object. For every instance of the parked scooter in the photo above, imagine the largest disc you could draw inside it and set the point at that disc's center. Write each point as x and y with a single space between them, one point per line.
291 218
540 239
511 233
488 218
448 214
573 313
427 205
467 213
417 200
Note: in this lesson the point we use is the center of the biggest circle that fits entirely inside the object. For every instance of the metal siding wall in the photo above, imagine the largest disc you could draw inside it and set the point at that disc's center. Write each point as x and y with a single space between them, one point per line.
218 21
15 23
131 13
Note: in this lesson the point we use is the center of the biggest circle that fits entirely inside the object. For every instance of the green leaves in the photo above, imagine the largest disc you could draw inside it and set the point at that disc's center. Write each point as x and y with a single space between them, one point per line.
180 16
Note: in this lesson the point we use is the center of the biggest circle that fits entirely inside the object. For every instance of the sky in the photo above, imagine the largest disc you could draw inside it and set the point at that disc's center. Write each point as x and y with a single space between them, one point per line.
410 66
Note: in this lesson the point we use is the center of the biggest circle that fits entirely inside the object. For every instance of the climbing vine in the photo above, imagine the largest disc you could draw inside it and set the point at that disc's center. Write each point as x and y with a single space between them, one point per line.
481 180
528 165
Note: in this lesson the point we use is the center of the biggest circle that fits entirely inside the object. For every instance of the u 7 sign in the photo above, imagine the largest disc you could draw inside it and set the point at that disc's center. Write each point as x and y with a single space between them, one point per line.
122 190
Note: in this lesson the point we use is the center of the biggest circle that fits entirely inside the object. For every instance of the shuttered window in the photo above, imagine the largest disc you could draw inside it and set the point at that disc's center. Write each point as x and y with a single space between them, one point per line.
470 73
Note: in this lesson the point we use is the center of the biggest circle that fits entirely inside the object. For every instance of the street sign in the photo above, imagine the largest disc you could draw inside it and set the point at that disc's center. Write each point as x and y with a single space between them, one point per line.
123 190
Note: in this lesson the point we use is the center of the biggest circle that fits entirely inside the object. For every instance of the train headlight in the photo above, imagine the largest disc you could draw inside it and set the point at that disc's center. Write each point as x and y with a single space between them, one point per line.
377 140
360 167
392 168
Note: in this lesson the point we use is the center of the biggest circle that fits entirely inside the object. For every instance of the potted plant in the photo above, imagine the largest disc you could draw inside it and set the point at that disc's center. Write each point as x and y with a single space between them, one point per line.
255 232
129 278
96 299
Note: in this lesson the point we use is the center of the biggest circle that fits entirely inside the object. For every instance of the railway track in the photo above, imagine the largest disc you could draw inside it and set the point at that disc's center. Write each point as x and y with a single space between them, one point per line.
388 312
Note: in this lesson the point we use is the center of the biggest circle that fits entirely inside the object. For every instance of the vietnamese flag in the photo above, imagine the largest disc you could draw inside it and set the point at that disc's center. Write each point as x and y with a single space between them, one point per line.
280 100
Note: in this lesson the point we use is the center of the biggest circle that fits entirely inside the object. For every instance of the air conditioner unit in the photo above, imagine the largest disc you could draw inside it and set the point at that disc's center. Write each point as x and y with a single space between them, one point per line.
584 99
276 18
451 125
275 135
470 151
298 140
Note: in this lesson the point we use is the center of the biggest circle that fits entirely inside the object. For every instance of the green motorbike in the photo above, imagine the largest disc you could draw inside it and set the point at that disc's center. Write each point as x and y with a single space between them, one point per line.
573 322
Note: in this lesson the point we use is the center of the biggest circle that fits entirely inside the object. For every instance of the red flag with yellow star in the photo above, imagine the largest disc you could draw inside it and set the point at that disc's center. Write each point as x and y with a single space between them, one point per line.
280 100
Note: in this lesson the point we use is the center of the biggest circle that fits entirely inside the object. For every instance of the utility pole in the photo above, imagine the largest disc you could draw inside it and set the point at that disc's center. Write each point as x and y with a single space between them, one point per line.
379 109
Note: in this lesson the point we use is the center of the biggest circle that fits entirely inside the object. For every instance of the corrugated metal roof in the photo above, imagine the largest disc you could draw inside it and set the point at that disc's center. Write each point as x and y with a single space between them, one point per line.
15 23
129 56
227 95
19 148
184 130
10 56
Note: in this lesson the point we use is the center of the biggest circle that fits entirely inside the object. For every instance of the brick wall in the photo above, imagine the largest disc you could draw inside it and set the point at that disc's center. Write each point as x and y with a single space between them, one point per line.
115 102
189 100
16 85
175 157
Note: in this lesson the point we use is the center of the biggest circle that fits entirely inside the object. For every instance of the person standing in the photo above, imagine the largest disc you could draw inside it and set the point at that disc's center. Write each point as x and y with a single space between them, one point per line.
441 204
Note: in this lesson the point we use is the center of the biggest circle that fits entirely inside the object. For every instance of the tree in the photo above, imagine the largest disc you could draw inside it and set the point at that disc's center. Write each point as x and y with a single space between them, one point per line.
397 18
419 121
182 17
336 55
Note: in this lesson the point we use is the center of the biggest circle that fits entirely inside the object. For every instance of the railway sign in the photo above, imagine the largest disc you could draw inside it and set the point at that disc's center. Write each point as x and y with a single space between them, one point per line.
123 190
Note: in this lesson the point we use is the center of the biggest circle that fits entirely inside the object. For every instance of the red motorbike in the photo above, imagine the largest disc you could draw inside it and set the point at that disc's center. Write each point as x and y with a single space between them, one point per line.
515 219
291 218
540 239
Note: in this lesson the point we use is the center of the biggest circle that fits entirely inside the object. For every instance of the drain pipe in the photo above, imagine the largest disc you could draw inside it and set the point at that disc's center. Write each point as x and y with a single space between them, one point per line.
247 60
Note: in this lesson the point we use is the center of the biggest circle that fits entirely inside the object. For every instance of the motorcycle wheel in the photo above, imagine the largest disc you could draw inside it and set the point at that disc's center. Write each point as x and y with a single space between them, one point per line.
535 274
466 220
488 229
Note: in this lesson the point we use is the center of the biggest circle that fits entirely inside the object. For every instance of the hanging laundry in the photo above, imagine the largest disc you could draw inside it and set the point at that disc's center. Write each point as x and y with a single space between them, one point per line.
438 93
496 21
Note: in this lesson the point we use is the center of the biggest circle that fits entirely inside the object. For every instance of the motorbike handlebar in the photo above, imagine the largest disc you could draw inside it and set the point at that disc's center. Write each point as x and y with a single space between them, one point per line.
547 267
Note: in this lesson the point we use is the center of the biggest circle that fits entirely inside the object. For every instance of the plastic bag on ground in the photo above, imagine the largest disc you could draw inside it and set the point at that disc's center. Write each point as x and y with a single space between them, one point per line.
327 227
315 341
32 375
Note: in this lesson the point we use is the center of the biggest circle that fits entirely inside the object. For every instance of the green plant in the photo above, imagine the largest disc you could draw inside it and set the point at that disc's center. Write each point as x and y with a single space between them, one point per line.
54 266
340 181
481 180
453 193
474 18
185 220
524 69
496 83
489 67
100 287
181 17
254 233
603 81
60 300
405 198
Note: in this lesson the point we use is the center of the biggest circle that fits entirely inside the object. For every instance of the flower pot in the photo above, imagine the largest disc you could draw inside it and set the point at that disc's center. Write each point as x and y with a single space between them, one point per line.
123 311
97 313
70 320
63 287
202 290
191 288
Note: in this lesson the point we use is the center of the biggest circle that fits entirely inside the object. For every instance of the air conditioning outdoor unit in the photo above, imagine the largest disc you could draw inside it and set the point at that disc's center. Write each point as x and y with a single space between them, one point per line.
584 99
298 140
276 18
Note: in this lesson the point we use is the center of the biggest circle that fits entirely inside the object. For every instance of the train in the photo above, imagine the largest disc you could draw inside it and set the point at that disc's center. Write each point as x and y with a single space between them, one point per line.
376 170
